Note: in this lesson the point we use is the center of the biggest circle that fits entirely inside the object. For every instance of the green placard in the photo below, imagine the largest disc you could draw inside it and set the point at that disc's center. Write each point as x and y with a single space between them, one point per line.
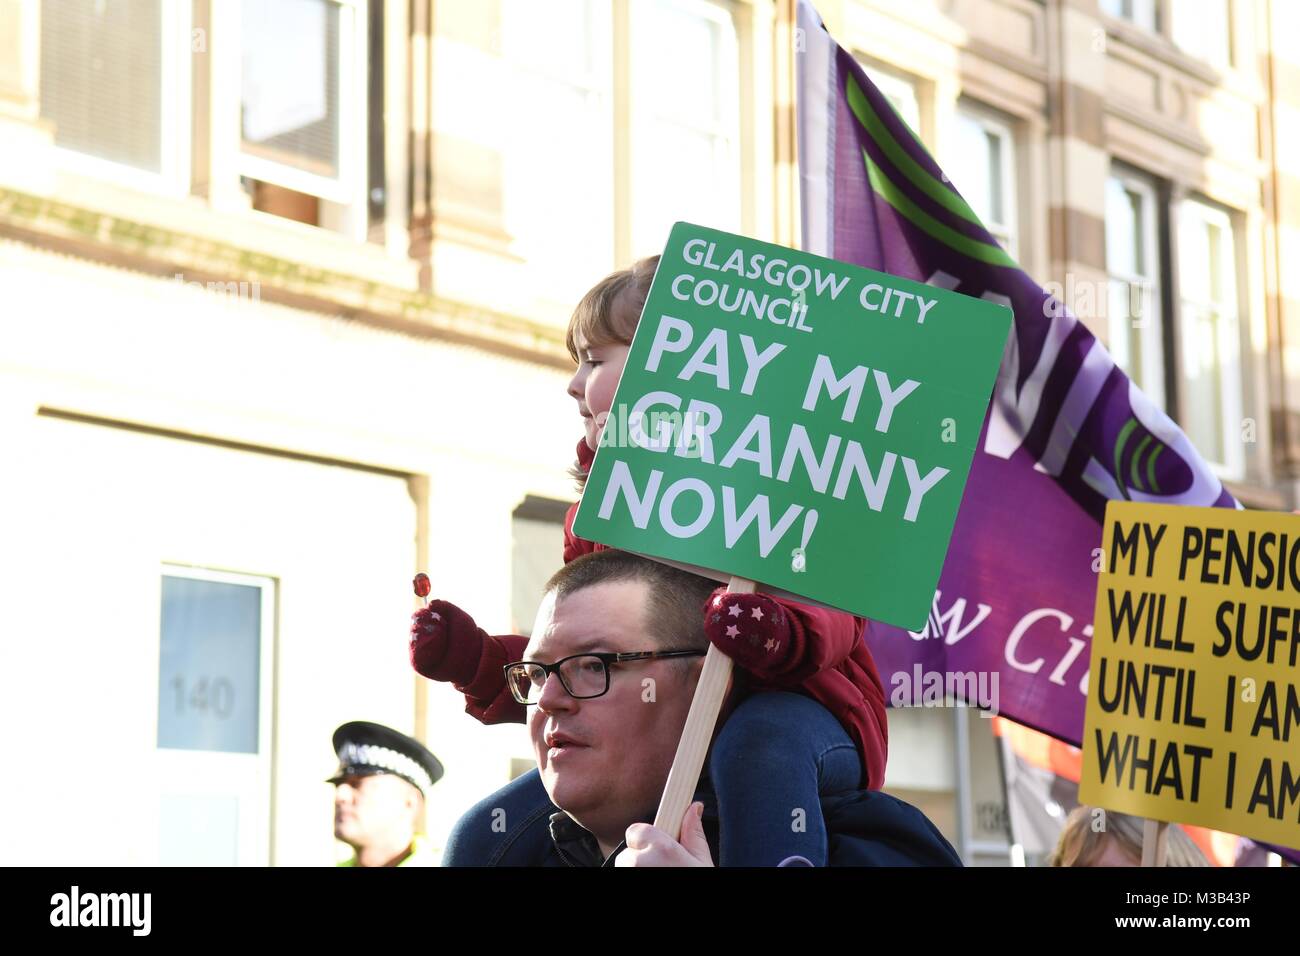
797 421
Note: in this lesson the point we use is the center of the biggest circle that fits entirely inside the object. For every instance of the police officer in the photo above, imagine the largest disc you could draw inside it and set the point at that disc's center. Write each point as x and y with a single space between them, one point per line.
379 792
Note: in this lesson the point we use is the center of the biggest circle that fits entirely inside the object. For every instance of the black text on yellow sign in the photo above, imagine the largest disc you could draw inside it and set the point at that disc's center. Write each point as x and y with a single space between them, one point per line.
1193 709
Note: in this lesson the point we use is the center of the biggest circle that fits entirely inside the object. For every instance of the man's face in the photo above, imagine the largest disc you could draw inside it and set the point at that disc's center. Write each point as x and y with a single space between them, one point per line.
604 761
373 808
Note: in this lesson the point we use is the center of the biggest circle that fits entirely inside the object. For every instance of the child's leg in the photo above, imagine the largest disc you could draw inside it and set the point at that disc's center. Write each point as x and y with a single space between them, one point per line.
508 828
771 761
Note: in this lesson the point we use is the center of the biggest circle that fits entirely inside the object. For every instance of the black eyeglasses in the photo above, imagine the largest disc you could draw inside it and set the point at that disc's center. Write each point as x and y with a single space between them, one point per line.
583 676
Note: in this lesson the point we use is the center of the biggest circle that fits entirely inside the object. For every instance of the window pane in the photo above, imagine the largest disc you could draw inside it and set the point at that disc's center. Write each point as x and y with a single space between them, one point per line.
555 194
1131 308
1195 276
1123 229
558 190
993 145
1138 213
1214 258
209 671
1140 12
981 171
290 77
101 78
691 91
901 94
686 163
535 556
982 162
1202 28
1136 319
691 184
1204 378
552 38
1136 338
1211 351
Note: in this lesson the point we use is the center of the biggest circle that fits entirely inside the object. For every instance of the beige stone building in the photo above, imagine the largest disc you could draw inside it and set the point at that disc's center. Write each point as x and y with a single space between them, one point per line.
1138 157
284 289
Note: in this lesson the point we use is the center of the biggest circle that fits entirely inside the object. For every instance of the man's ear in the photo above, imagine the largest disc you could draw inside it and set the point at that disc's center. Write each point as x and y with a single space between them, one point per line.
415 804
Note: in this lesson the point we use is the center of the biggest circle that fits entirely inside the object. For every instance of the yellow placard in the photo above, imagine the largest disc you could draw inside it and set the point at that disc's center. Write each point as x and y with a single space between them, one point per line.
1194 689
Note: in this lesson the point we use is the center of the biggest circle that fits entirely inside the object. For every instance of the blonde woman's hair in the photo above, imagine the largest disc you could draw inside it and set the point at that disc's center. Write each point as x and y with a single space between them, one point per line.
1081 844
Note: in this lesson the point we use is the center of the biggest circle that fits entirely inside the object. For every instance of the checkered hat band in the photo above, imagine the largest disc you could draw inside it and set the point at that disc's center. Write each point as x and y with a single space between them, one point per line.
387 759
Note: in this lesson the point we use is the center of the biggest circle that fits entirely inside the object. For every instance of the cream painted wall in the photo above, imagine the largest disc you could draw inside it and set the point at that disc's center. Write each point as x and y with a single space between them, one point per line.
109 508
89 514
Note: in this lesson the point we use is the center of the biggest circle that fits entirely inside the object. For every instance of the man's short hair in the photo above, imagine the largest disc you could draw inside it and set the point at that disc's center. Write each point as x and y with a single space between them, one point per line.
674 613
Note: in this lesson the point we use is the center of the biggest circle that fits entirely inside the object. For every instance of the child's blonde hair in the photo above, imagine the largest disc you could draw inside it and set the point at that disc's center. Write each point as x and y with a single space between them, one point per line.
609 312
1082 845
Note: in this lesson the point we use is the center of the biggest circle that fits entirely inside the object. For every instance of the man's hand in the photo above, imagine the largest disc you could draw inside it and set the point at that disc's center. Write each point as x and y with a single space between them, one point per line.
649 846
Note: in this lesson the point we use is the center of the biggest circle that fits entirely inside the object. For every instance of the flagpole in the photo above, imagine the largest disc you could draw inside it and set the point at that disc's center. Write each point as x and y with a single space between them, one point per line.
684 776
785 84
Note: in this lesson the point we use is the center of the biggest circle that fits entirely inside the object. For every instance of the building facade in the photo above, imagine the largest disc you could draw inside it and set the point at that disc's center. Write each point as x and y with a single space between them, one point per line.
284 293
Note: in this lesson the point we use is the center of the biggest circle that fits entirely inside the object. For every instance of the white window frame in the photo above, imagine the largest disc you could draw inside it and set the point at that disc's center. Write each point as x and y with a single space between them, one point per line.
1143 12
175 117
1151 376
1229 343
203 772
349 189
725 134
1007 232
897 87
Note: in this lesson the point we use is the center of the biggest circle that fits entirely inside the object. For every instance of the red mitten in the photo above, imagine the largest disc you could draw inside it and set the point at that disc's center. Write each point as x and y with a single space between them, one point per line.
754 631
446 644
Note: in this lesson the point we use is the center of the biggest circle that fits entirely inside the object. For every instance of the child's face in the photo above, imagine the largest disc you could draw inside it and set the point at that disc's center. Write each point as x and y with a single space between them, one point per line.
594 383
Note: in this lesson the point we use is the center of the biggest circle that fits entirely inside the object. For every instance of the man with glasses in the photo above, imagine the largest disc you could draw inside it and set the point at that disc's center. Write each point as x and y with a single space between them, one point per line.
608 678
609 675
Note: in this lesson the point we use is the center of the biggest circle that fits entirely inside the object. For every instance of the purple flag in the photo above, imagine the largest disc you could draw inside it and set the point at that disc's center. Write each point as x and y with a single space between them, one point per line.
1066 430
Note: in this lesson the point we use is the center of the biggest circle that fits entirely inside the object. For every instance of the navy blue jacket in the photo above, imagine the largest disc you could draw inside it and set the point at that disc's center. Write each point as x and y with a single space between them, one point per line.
863 827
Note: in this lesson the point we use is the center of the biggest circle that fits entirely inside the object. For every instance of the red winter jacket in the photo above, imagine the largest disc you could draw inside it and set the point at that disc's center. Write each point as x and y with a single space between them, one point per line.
833 666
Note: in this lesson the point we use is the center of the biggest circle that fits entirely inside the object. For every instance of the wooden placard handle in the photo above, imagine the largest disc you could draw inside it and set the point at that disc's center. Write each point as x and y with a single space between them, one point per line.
698 732
1155 837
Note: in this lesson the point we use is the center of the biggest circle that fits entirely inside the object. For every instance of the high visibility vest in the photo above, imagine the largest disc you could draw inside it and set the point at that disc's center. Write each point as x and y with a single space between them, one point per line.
421 854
